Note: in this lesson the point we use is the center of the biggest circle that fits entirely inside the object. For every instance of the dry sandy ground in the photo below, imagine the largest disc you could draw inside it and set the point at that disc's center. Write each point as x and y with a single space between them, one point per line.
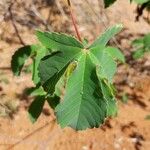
128 131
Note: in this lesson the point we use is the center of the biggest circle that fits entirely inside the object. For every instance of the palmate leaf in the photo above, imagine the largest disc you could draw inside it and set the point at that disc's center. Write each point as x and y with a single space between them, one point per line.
89 96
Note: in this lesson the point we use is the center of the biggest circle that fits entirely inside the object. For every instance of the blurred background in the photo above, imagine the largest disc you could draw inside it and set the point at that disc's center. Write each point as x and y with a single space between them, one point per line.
128 131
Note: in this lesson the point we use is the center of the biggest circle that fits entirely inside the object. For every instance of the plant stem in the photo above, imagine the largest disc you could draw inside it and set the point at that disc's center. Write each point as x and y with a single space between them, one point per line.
74 20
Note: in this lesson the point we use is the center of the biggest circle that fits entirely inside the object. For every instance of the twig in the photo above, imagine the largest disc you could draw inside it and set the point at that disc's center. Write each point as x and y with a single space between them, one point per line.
29 135
14 25
74 20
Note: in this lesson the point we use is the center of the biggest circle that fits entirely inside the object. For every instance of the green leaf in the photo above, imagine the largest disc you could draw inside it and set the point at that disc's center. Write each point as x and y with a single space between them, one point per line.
85 72
53 101
106 64
56 41
107 35
108 2
83 107
19 58
39 54
35 108
116 54
52 67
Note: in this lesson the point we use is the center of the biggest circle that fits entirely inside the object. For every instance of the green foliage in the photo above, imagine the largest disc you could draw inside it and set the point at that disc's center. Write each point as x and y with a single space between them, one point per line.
142 46
86 73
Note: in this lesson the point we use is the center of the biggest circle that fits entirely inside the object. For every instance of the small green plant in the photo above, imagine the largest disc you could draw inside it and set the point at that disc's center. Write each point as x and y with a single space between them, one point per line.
142 46
84 71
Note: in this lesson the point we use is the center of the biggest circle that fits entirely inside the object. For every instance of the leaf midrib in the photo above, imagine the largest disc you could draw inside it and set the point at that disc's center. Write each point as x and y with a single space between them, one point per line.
82 90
